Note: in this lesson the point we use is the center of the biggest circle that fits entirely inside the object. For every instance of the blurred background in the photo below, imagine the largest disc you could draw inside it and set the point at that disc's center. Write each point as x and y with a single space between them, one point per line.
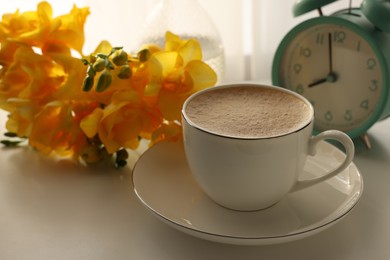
250 30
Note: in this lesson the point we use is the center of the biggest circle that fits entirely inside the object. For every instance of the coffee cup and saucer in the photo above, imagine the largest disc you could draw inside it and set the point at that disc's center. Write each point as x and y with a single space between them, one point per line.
248 170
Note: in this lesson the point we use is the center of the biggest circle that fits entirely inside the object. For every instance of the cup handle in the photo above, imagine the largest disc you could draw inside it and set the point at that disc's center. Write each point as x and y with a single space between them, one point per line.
339 136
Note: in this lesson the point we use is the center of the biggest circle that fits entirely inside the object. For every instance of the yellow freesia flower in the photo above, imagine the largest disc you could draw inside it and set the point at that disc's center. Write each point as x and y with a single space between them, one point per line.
122 122
31 76
21 116
189 49
41 30
56 129
167 131
177 74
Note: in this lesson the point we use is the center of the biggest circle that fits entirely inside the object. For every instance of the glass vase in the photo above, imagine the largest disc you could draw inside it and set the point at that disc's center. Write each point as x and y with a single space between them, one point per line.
187 19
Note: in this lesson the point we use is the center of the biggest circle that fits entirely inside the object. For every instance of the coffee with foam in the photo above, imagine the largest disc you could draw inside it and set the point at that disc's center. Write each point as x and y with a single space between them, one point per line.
248 112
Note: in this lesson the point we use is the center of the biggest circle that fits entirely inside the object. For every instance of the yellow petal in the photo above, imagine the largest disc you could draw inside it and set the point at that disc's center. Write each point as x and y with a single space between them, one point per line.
152 89
170 105
170 131
90 123
191 51
132 143
203 75
127 135
125 96
165 62
169 36
103 47
110 144
71 31
45 12
151 47
172 41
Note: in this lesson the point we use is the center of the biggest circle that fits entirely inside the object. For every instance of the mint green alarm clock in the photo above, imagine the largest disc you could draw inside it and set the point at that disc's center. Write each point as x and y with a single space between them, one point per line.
340 63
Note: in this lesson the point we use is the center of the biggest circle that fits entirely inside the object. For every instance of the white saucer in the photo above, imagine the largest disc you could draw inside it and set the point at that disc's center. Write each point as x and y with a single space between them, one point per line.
163 183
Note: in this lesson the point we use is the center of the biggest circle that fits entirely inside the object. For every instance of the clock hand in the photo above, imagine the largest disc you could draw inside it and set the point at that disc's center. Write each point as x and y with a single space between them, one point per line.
331 77
316 83
330 53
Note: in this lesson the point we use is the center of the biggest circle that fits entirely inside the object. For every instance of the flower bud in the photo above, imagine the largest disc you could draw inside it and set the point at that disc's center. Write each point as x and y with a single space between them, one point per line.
99 64
90 71
92 58
91 154
119 57
125 72
88 83
109 65
84 61
104 81
143 55
121 158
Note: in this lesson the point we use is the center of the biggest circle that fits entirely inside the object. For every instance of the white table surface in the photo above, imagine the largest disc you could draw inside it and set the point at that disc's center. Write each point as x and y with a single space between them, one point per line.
68 212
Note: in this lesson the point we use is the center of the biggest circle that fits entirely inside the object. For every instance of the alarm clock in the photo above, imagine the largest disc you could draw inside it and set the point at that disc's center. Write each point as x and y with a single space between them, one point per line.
340 63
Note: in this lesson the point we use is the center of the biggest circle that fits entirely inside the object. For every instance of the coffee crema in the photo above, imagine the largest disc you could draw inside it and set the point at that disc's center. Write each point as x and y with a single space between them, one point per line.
248 112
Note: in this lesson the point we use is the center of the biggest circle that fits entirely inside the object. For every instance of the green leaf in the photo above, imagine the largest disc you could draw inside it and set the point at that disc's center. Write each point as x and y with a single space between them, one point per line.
10 134
9 143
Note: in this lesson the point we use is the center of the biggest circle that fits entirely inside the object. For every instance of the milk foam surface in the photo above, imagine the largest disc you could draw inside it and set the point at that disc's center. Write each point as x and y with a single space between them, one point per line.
248 112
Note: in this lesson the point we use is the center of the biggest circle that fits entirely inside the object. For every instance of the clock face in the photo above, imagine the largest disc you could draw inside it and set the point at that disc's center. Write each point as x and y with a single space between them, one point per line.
337 70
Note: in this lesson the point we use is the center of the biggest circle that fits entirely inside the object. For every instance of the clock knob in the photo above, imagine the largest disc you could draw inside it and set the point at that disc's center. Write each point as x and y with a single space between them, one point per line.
305 6
378 13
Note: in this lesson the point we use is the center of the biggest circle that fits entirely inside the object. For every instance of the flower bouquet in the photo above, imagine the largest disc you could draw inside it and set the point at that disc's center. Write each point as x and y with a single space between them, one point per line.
91 107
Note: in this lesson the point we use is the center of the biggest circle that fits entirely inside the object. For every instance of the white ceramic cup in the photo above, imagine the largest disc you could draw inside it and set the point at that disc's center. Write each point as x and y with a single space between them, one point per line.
249 174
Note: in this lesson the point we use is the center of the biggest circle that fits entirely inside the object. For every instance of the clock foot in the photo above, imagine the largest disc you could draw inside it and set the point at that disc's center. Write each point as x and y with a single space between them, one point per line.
366 140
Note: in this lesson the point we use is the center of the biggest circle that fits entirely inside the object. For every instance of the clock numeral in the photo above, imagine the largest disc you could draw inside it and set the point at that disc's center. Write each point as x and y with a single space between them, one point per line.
358 46
328 116
320 38
364 104
305 52
348 115
297 68
374 85
299 89
339 36
371 63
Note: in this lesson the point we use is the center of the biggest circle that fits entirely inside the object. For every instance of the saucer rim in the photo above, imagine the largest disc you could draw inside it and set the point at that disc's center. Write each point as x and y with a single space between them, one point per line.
252 238
300 233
